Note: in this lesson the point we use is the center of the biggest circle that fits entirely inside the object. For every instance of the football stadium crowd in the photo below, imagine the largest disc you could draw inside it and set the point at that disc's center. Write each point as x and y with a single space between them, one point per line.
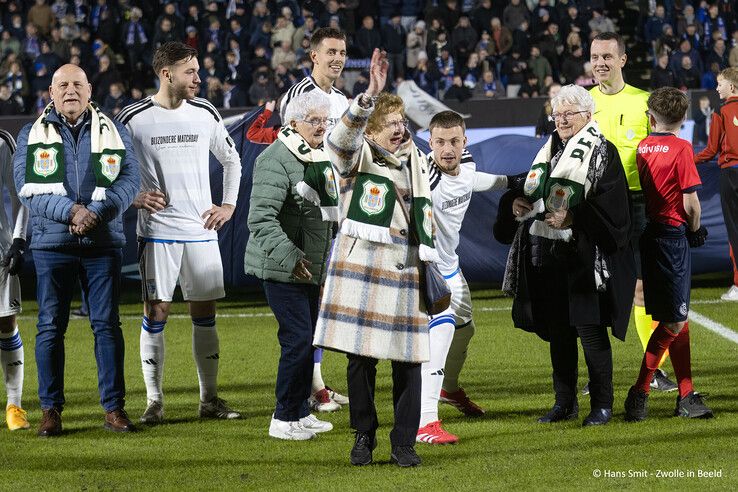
252 51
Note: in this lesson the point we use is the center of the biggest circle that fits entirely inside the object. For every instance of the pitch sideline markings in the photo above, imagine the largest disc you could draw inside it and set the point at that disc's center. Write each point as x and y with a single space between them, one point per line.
713 326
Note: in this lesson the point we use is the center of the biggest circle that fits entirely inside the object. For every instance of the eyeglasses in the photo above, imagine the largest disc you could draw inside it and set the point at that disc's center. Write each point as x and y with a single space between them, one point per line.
316 122
399 124
564 116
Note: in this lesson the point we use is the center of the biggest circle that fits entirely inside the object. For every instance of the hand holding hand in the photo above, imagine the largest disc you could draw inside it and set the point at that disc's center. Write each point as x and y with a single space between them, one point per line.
13 259
217 216
521 207
560 219
697 238
151 201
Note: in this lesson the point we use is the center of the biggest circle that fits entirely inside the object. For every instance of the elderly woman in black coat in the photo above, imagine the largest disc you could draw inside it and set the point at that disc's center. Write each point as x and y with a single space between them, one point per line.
571 269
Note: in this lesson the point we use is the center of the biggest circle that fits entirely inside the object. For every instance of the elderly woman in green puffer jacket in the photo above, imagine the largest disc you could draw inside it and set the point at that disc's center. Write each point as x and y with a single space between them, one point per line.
287 249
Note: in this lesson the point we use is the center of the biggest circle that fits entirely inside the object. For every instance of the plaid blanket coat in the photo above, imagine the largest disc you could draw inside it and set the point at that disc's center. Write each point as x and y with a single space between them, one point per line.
372 305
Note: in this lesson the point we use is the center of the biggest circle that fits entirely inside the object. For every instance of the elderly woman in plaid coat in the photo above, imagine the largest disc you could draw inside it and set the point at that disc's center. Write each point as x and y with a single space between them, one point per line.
372 306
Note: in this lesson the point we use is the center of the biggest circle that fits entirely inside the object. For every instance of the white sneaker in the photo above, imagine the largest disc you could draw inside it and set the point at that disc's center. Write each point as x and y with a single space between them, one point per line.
320 401
337 397
312 424
731 295
289 431
154 413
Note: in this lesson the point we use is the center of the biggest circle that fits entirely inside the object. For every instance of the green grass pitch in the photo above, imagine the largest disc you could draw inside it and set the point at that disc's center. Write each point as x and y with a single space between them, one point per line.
507 372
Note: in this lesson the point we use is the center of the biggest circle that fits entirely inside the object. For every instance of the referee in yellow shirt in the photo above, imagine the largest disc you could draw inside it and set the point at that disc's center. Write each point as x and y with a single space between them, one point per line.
620 112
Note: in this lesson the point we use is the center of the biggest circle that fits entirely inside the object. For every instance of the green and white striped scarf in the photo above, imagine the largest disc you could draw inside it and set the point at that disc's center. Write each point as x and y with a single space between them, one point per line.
45 166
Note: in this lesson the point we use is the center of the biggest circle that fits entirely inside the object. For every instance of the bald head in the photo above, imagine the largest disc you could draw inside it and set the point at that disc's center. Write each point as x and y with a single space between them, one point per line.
70 91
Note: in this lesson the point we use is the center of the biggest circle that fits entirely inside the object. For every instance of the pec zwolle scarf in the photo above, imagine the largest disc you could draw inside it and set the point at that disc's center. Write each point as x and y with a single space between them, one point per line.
45 166
318 185
560 181
374 198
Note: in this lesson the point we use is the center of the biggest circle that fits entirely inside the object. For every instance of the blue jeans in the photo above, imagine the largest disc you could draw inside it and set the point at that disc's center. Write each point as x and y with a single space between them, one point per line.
58 272
296 308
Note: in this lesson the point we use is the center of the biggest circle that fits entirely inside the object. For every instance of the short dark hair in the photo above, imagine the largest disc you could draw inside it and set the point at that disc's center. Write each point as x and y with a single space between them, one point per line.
612 36
668 105
325 33
170 53
446 119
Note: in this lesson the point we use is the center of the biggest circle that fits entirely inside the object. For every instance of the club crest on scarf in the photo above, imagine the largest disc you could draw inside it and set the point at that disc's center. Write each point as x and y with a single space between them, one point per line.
428 220
44 163
110 166
330 183
559 196
373 198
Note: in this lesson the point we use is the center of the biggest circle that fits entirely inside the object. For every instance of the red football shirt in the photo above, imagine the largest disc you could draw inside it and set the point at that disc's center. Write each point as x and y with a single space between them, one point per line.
667 171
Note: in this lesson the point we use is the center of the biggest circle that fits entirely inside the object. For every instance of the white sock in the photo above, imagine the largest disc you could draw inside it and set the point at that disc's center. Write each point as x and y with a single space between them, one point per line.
152 357
457 356
11 357
441 334
206 351
318 383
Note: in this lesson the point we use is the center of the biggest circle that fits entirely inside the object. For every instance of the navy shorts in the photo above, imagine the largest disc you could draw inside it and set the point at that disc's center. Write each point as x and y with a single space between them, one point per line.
666 266
637 225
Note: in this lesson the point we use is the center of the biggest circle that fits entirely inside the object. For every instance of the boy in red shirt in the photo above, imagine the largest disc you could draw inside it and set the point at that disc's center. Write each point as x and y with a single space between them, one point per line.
724 139
670 182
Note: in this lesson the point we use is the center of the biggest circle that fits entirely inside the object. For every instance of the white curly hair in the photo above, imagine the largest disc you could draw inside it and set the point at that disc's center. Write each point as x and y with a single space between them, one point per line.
303 104
575 95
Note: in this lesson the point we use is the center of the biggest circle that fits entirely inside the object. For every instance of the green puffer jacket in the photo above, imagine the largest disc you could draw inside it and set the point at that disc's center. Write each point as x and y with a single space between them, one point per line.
283 226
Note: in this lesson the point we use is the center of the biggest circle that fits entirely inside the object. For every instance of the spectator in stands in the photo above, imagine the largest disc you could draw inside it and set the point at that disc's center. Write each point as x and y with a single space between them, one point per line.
573 65
552 47
9 44
539 65
259 15
600 23
60 8
15 27
472 71
685 49
425 75
531 86
686 18
715 23
661 75
368 37
448 12
482 16
463 40
305 31
718 54
9 105
135 39
233 95
458 91
438 44
521 38
687 76
515 14
262 36
41 16
416 41
215 92
446 68
48 58
282 31
69 28
59 45
513 72
31 44
207 72
109 27
164 33
284 55
262 89
393 39
192 38
667 42
435 29
116 99
259 59
17 81
362 81
573 22
709 78
106 75
214 33
654 27
587 79
176 20
501 39
489 87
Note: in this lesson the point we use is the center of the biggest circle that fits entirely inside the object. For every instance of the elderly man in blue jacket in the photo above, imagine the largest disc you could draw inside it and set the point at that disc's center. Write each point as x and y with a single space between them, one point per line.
77 172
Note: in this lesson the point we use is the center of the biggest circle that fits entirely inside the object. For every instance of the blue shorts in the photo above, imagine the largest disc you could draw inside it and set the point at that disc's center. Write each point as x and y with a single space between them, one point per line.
666 266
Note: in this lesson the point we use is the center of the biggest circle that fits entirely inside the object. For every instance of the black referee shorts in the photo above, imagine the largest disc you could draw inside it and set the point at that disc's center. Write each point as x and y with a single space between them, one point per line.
666 266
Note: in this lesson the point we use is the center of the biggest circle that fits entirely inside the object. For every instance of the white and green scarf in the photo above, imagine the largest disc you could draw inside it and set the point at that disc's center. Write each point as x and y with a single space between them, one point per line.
318 185
560 181
374 198
45 166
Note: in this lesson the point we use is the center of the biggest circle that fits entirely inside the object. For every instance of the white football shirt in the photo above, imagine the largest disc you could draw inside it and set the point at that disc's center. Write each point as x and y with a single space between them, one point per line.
173 147
338 101
451 196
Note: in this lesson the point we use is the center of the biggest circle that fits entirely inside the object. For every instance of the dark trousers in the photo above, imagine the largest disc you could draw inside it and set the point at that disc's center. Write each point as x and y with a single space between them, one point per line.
406 383
57 274
597 354
729 203
296 308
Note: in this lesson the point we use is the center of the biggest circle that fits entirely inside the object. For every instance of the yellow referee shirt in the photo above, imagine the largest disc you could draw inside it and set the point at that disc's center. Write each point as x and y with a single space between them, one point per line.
622 119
